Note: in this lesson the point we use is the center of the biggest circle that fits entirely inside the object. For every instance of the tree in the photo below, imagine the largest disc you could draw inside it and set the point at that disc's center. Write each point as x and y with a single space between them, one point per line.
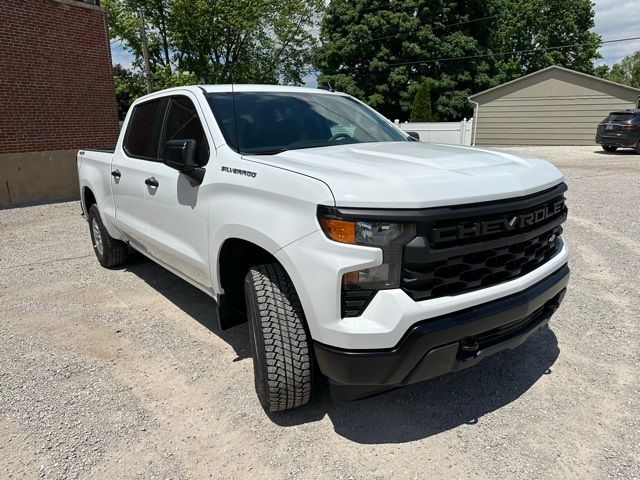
267 41
379 52
421 110
535 28
129 86
601 71
261 41
627 71
124 27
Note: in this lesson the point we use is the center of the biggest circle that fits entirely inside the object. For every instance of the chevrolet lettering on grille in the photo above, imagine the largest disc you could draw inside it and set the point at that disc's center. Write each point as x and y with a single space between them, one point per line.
498 225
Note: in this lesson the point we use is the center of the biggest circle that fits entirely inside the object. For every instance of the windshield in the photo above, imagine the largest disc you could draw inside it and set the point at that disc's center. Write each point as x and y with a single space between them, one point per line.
269 123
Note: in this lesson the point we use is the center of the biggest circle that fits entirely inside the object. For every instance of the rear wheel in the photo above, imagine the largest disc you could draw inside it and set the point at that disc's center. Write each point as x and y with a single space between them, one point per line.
609 148
109 251
282 358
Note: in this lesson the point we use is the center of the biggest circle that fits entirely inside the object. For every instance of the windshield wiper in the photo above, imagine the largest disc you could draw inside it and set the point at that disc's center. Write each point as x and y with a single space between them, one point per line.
273 151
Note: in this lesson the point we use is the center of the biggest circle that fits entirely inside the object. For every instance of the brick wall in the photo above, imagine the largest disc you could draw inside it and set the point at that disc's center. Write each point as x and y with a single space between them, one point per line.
56 87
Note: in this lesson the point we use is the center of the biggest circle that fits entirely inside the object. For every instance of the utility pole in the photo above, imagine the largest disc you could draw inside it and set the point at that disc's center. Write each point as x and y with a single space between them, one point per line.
145 52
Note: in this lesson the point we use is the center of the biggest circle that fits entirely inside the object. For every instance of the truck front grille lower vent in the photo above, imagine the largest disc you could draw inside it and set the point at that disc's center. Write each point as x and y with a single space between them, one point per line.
479 269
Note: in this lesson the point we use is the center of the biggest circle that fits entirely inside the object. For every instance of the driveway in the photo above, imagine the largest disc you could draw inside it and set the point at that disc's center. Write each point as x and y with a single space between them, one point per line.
123 374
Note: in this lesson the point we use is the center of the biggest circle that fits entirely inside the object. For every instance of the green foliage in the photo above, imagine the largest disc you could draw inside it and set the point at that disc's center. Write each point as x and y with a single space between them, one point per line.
242 41
601 71
365 42
379 51
208 41
246 41
421 109
124 27
627 71
536 24
129 86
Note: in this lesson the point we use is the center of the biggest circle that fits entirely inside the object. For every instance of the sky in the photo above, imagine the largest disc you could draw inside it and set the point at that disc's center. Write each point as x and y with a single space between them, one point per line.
617 19
614 19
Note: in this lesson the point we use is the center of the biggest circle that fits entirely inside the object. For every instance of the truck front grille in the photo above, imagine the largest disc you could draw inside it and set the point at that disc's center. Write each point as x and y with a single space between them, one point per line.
483 268
470 247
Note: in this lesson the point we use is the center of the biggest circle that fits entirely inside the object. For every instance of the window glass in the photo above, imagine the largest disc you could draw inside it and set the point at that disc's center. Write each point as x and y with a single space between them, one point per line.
620 117
183 123
142 134
269 122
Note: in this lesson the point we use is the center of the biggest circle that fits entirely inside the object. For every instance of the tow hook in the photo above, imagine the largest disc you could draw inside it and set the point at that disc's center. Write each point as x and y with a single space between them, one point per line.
469 349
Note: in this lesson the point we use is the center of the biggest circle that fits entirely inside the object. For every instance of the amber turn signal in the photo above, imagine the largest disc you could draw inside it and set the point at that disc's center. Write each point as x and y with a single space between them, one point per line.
339 230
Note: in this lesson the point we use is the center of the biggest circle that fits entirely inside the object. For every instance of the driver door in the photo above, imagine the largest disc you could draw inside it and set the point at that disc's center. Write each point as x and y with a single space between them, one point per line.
176 210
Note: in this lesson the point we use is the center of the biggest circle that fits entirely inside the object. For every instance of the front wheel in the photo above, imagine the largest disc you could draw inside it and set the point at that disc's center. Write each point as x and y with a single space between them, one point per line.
282 357
609 148
637 149
109 251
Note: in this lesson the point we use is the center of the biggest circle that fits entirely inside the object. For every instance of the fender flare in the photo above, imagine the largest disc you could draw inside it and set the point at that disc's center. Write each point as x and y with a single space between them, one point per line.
240 232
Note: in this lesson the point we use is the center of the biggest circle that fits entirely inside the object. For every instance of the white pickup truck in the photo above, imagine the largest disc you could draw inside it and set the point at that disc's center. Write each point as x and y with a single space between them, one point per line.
352 250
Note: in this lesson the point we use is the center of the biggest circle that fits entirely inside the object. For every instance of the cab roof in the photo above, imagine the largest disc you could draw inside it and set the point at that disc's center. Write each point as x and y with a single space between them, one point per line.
628 111
241 87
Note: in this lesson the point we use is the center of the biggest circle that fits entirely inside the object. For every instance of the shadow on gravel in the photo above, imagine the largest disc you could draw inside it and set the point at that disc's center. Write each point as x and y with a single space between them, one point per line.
421 410
617 152
189 299
403 415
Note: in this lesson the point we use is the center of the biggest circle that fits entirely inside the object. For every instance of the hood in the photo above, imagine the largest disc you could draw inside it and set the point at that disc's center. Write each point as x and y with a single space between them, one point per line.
416 174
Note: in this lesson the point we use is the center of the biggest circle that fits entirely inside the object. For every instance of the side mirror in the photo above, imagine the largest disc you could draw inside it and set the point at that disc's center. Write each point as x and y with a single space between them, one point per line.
413 136
181 155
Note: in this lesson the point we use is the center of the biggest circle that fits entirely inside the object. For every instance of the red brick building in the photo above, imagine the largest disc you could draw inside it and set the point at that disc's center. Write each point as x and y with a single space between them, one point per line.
56 95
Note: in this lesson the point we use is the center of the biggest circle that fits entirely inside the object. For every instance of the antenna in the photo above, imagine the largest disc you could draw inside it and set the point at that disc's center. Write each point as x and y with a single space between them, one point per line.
326 86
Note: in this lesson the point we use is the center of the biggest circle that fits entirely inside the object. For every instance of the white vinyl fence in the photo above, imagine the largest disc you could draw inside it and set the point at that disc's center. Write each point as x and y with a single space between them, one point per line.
456 133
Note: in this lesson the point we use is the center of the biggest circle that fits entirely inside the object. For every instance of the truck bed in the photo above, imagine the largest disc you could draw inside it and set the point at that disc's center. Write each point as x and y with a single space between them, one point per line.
101 149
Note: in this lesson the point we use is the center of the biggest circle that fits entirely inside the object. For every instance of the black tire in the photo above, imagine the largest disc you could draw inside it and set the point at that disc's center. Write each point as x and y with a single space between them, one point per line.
282 357
637 149
109 251
609 148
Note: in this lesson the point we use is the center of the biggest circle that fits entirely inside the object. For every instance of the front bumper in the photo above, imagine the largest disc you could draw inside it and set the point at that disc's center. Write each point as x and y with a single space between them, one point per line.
444 344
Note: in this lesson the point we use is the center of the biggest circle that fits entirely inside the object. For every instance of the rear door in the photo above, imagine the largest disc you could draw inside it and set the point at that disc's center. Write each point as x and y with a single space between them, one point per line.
177 212
130 166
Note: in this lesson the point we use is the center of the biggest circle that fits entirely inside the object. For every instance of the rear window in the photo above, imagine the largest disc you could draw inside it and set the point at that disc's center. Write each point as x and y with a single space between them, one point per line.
142 138
620 117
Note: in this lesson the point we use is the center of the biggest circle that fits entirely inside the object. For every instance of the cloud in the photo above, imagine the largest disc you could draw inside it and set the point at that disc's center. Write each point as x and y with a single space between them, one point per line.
617 19
121 56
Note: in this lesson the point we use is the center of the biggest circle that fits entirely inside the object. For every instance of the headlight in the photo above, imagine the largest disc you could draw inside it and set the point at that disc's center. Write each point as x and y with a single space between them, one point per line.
368 233
388 236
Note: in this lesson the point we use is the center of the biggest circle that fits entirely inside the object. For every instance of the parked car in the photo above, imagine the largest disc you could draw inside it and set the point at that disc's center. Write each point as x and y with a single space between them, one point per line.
353 251
620 130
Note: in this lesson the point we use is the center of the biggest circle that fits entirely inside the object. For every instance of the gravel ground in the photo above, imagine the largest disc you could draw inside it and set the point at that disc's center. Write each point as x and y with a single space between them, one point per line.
123 374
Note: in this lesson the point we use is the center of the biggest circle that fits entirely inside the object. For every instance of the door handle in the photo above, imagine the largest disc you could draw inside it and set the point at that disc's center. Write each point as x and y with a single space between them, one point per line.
152 182
116 174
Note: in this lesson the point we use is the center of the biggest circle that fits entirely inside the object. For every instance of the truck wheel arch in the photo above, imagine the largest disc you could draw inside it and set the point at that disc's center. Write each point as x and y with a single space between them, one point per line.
236 257
88 199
